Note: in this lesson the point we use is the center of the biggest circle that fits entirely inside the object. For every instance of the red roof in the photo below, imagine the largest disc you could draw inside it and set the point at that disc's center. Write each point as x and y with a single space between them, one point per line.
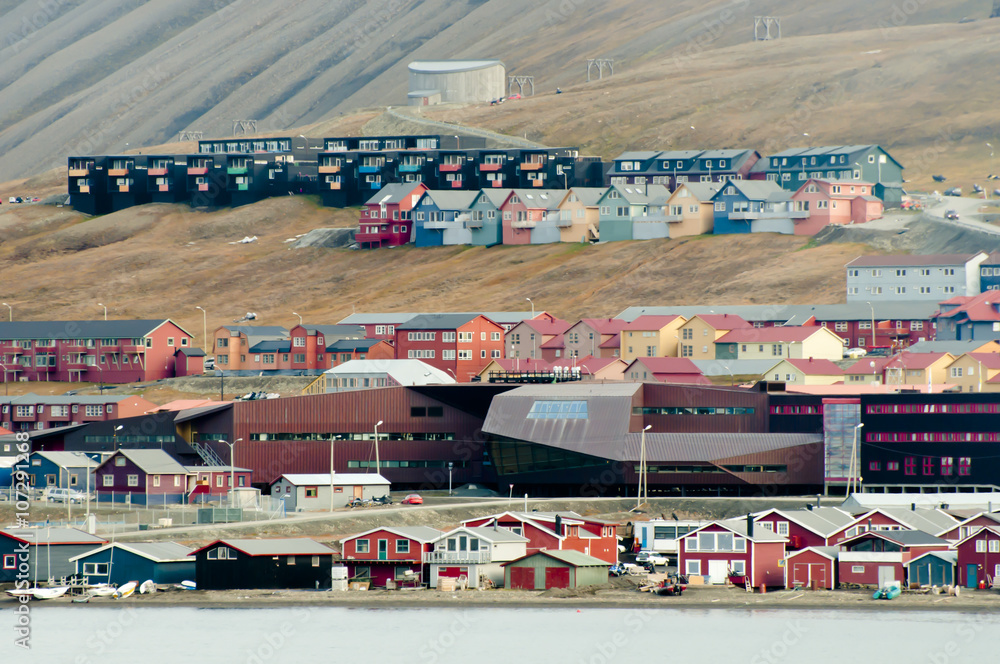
988 360
907 360
591 365
613 342
765 335
651 322
667 365
723 321
815 367
683 379
555 342
605 325
982 307
545 326
864 366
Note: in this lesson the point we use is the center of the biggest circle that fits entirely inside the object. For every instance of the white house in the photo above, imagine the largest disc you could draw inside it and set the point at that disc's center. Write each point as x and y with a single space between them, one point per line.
312 491
476 553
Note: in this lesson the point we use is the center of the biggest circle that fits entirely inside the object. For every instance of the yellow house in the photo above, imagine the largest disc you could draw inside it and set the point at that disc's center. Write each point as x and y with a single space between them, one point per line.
690 210
974 372
698 335
907 368
762 343
805 372
579 214
866 371
651 336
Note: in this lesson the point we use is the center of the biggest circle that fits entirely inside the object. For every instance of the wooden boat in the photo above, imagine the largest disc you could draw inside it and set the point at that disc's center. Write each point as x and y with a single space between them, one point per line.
102 590
147 587
125 591
49 593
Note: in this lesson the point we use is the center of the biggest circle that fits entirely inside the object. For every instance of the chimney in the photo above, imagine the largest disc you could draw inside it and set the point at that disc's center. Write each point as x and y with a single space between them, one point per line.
749 526
817 500
559 525
913 507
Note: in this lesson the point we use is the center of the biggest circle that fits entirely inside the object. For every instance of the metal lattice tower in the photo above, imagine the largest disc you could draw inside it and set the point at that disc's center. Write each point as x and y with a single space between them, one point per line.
996 9
766 28
189 136
244 127
600 64
520 81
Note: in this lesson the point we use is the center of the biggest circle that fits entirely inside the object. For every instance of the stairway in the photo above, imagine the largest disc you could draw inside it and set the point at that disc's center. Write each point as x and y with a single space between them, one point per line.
208 455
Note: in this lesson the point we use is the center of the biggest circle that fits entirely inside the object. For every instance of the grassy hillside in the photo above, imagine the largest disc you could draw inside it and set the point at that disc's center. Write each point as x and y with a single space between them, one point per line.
163 260
103 76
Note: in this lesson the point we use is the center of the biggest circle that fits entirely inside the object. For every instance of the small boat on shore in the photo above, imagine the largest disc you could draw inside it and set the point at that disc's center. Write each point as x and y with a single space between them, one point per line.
103 590
125 591
188 585
147 587
21 592
889 592
49 593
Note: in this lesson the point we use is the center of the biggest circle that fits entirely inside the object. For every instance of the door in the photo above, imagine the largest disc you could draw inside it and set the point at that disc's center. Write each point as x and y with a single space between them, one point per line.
359 492
800 574
522 578
886 575
718 571
556 577
971 576
383 549
817 572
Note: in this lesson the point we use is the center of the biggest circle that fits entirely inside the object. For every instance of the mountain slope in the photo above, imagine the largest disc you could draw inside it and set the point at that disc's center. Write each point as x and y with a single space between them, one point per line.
101 76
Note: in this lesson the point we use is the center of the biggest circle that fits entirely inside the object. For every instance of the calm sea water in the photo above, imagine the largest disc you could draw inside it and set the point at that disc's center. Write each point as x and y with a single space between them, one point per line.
85 635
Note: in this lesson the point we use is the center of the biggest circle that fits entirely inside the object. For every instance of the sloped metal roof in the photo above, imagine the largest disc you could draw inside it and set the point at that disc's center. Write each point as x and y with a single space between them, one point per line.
292 546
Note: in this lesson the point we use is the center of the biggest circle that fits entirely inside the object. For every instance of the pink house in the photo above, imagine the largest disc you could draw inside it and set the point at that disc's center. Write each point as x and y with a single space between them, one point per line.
523 210
834 202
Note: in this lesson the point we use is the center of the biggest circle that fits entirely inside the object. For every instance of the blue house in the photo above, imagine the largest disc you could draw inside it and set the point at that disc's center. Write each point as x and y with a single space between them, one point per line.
621 204
989 273
119 563
440 218
47 551
742 206
485 221
934 568
66 470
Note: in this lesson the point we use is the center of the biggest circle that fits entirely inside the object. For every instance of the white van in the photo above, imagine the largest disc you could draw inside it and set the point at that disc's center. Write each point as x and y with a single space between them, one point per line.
54 494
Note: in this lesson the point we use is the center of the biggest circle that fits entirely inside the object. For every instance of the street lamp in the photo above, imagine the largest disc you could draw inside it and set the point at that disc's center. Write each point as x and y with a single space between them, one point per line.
450 466
532 306
10 312
643 482
114 436
332 438
378 465
232 468
204 328
300 317
872 344
105 310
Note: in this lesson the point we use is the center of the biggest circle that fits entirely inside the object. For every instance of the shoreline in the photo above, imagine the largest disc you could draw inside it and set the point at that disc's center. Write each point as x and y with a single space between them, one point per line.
701 599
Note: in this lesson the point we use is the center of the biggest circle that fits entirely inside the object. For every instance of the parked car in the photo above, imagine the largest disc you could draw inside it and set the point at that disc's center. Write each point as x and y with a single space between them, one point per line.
855 353
56 495
951 214
650 557
412 499
209 363
953 191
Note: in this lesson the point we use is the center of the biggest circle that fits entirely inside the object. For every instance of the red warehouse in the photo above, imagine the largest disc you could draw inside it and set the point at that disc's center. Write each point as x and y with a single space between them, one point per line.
460 344
557 531
387 554
805 528
979 558
814 565
879 556
733 548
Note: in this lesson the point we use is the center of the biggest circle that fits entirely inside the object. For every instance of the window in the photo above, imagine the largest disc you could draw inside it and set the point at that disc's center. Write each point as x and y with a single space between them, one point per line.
738 567
361 546
402 546
221 553
95 569
782 527
156 480
875 465
109 480
928 466
315 561
910 465
10 561
964 466
290 560
558 410
312 492
981 546
892 465
947 464
692 567
857 569
95 411
448 337
448 354
133 480
994 546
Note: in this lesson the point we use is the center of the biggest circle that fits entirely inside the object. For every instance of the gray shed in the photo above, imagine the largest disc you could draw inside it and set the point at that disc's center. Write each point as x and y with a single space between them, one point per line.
311 491
554 569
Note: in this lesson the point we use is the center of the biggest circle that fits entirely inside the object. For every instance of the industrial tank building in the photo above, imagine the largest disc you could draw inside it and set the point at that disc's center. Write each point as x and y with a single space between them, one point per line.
456 81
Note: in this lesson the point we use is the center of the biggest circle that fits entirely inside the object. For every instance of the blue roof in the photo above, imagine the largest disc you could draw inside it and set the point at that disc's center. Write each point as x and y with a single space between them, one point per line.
280 346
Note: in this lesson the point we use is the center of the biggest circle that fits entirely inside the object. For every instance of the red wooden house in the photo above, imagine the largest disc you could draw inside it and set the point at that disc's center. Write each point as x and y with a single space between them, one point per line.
557 531
387 217
677 370
384 554
146 477
976 522
460 344
733 548
890 519
812 565
309 344
879 556
979 558
212 481
805 528
346 350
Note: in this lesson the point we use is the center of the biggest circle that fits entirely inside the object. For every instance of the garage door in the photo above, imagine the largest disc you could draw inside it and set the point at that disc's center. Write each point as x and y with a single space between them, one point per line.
522 578
557 577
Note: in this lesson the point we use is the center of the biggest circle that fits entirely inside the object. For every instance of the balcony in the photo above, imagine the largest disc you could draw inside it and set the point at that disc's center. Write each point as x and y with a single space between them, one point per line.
458 557
456 184
438 225
490 168
117 172
163 187
333 186
673 218
887 557
85 189
156 171
523 223
450 168
799 214
79 172
128 348
497 184
474 223
564 223
532 166
203 187
538 183
237 170
123 189
198 170
369 169
329 169
410 168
